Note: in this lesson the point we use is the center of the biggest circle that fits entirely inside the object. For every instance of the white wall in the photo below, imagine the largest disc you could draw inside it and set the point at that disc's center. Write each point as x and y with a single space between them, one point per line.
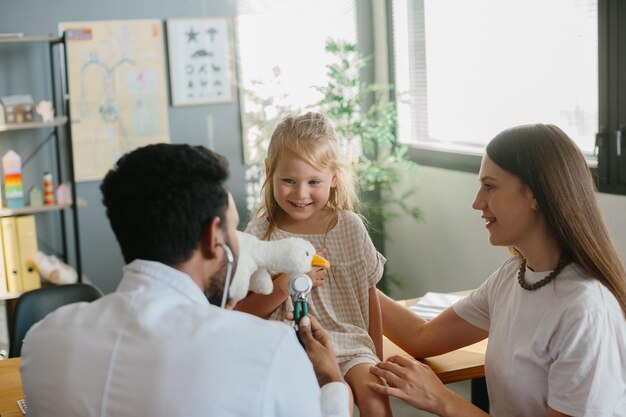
449 249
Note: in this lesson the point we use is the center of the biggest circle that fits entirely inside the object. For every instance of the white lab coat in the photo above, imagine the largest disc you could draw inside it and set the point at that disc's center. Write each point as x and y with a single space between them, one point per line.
156 347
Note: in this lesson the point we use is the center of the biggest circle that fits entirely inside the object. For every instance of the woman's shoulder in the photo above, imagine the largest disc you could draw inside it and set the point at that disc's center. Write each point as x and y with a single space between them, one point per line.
582 292
502 280
509 266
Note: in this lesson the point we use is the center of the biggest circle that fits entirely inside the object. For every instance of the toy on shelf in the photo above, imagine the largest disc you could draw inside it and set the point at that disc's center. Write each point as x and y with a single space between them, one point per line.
48 189
13 189
64 194
17 108
55 271
257 257
45 110
35 198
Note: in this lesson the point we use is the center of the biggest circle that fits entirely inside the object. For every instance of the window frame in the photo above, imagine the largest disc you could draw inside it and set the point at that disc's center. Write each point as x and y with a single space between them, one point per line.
611 171
606 165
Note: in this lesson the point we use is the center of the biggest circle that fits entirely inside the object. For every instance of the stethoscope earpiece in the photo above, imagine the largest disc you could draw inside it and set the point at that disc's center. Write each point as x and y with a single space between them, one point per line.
229 273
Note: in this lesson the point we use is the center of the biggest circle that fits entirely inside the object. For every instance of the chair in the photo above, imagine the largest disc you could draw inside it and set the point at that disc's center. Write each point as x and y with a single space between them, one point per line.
33 306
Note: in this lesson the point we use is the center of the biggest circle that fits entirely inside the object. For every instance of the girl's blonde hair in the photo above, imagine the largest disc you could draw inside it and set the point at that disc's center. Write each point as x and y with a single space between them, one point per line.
313 138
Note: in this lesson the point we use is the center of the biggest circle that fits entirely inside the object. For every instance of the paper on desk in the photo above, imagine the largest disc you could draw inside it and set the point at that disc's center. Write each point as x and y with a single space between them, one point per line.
432 303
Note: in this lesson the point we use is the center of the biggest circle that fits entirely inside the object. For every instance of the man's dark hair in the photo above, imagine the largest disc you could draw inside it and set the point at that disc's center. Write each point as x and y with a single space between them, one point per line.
159 199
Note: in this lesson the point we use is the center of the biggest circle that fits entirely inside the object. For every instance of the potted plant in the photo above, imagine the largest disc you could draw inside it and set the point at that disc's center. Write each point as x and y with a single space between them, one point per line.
366 121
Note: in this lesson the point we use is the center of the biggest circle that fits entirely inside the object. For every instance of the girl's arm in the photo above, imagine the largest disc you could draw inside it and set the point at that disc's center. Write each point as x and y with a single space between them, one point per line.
376 323
262 305
422 339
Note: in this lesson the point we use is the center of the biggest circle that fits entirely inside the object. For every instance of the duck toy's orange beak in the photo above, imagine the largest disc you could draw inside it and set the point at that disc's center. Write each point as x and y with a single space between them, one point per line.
319 262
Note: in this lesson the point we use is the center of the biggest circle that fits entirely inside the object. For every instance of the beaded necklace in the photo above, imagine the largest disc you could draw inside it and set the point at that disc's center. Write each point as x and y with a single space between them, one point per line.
531 287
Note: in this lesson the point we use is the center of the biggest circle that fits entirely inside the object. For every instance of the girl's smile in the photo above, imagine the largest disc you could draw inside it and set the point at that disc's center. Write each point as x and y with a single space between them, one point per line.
301 190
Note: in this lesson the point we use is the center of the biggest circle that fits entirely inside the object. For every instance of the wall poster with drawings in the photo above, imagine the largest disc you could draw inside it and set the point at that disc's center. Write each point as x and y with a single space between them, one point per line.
201 60
117 90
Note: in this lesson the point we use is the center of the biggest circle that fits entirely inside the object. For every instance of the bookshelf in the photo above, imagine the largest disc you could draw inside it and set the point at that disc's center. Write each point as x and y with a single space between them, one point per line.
58 121
20 38
8 212
60 134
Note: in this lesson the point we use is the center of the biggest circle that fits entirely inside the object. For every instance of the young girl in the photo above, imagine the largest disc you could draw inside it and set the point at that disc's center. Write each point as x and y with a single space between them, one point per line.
309 193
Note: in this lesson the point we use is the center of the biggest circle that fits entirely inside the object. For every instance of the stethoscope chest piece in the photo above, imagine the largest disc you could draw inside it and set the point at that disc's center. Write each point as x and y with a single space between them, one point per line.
300 286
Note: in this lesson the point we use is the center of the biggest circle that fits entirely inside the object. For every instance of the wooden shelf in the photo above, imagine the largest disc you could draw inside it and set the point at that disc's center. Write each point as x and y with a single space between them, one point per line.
8 212
57 66
58 121
30 39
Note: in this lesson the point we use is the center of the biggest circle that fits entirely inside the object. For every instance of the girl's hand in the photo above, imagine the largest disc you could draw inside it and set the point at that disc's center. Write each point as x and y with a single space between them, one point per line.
319 275
412 382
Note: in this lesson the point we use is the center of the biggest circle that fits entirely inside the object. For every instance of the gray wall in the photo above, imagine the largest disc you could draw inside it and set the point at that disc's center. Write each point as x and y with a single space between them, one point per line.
449 250
102 260
25 71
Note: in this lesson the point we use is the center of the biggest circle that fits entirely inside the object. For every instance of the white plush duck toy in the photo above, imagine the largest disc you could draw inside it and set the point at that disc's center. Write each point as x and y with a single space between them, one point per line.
256 257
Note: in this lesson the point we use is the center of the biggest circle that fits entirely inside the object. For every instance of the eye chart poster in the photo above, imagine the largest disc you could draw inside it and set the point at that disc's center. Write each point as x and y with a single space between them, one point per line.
200 57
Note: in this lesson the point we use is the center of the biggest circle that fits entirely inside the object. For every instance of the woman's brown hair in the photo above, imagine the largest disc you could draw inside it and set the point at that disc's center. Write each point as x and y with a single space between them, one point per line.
550 163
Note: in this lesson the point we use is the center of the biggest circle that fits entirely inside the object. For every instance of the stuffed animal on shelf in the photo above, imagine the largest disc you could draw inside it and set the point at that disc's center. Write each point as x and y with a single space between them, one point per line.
55 271
45 110
257 257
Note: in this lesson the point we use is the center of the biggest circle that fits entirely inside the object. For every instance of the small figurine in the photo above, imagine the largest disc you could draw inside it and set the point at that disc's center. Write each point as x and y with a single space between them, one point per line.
45 110
48 189
64 194
35 197
13 189
55 271
18 108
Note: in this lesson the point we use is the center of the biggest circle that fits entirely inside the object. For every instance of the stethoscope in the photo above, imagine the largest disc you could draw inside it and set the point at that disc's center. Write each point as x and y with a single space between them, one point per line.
229 273
300 286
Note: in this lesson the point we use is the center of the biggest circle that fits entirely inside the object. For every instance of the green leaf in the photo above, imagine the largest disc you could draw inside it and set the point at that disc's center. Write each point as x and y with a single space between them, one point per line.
363 111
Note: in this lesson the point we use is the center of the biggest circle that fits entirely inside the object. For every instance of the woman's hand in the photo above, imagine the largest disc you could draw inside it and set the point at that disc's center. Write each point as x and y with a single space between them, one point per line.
319 275
412 382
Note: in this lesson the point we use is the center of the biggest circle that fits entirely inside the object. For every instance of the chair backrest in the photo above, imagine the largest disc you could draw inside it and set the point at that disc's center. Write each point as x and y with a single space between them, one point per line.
33 306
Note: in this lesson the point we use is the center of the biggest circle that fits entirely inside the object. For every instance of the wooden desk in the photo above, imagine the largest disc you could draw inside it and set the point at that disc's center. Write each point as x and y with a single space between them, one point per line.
460 365
10 387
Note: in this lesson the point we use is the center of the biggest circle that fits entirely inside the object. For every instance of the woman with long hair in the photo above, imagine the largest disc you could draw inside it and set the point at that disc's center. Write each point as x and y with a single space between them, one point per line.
554 312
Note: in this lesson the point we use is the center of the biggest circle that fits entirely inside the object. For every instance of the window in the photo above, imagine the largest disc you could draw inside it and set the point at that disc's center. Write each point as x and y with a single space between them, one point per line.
281 47
282 56
612 104
465 71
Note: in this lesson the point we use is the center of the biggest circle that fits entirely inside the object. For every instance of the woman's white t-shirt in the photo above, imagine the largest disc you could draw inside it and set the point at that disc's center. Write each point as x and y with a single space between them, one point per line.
562 345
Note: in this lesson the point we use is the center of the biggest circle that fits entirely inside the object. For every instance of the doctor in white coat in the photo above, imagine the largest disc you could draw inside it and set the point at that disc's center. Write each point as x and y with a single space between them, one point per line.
161 345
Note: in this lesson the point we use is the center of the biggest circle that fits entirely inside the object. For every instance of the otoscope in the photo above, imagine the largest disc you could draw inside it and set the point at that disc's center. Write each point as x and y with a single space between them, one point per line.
300 286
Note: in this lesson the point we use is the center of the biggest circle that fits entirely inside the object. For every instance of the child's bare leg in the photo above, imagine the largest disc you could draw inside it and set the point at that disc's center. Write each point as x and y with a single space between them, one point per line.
351 400
370 403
